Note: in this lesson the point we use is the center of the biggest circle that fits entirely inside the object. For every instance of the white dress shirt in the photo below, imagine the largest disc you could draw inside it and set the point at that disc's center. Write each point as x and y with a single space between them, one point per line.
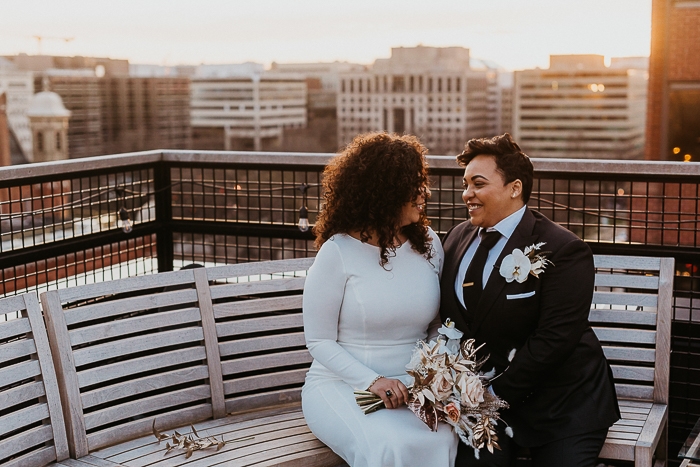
506 228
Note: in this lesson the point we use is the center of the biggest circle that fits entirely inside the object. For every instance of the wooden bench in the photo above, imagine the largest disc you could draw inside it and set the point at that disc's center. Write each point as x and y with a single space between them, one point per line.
205 346
631 315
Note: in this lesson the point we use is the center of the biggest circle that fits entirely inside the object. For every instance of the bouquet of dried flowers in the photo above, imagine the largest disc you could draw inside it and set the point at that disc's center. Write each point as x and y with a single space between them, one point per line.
448 386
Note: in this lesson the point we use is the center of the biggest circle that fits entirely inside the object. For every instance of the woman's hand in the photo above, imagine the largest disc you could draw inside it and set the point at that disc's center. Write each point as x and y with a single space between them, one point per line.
385 386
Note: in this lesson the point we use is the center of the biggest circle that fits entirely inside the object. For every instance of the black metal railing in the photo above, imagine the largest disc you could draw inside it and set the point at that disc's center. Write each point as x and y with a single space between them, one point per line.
60 223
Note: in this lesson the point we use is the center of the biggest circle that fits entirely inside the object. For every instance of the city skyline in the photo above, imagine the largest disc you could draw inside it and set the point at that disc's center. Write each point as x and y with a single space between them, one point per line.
516 34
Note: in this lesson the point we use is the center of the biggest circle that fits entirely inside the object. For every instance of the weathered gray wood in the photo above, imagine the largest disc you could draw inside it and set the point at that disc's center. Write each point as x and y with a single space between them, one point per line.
254 344
651 434
257 268
267 399
16 349
626 281
141 364
626 262
144 384
621 298
19 371
626 428
319 457
262 305
48 374
11 304
620 449
633 409
20 394
211 343
144 426
15 327
25 440
97 462
100 352
268 323
260 362
629 336
630 391
258 287
132 325
65 372
265 381
634 373
129 284
127 410
663 331
623 317
23 417
39 457
630 403
129 305
629 354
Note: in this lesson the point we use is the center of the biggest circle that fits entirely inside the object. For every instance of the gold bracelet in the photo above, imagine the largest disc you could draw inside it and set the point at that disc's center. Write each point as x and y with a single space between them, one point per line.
374 381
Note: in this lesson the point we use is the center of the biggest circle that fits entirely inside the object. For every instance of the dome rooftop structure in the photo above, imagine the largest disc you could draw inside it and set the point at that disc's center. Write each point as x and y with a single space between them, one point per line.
47 104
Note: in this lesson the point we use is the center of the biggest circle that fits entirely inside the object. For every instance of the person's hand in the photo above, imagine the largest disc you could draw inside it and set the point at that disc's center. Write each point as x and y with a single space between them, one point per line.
392 391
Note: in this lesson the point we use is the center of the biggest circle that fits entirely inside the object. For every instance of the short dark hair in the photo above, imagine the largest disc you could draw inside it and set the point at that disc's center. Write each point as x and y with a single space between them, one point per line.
511 161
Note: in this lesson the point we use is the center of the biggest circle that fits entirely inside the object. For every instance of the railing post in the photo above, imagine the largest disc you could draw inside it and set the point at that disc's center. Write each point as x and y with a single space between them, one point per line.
164 215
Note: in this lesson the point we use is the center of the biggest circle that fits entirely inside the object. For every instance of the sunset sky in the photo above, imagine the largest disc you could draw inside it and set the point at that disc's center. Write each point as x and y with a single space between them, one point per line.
516 34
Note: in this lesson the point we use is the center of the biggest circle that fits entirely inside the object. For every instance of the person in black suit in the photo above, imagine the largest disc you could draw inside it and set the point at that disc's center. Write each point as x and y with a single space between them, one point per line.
549 363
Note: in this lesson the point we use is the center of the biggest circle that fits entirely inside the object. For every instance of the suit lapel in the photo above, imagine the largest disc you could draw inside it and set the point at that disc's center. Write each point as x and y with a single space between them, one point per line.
522 237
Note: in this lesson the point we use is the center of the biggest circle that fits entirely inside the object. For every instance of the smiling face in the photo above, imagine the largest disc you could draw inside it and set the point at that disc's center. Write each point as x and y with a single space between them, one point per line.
411 212
488 199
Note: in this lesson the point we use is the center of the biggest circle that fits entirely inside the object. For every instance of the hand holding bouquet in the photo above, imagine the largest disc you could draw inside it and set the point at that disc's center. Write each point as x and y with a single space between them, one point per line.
448 386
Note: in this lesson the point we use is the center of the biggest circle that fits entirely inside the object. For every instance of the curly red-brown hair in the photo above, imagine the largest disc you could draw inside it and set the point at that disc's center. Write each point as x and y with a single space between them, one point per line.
366 187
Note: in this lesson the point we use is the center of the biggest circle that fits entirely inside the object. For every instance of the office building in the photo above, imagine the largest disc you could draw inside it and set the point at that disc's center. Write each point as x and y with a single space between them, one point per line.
440 95
579 108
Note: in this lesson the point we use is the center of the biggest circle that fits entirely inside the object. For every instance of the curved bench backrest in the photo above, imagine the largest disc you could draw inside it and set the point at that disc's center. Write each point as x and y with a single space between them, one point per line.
631 315
129 352
31 423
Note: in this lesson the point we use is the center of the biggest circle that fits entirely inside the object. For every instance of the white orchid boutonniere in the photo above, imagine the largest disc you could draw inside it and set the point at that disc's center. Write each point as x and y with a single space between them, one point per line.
520 264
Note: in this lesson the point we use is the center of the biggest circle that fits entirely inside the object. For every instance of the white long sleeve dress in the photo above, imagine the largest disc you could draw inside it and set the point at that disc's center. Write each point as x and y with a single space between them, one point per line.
360 321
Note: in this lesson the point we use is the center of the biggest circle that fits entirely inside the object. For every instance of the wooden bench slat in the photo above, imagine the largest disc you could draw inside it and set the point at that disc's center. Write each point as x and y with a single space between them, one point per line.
121 327
130 345
11 304
634 403
621 298
126 410
634 373
300 443
318 457
139 365
257 287
629 336
15 327
629 354
39 457
625 422
247 326
126 285
144 426
626 281
17 349
631 409
622 449
262 305
19 371
261 362
631 391
24 417
25 440
622 435
622 317
626 428
627 262
20 394
129 305
254 344
266 399
144 384
251 383
259 267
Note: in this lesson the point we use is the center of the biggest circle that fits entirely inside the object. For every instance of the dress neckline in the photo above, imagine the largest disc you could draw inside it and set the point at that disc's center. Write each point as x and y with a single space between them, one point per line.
369 244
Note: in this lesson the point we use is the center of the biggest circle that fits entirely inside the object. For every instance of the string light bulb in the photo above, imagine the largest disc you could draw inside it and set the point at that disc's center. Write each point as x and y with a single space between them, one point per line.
303 219
127 226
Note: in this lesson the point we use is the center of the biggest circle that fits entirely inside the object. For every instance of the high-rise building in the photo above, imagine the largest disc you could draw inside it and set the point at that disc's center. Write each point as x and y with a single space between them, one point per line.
673 120
437 94
18 87
242 107
579 108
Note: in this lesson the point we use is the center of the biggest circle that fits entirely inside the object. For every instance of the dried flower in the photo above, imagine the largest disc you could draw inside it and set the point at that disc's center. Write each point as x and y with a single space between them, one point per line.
452 412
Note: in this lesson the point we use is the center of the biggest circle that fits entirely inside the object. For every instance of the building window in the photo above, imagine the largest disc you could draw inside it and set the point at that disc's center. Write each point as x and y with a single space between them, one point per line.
430 84
386 85
40 141
458 82
352 85
58 140
684 126
397 84
342 86
376 84
439 84
420 84
410 84
449 84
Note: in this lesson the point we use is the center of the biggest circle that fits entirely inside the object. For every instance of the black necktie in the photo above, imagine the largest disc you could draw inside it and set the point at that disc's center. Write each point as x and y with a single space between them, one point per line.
473 284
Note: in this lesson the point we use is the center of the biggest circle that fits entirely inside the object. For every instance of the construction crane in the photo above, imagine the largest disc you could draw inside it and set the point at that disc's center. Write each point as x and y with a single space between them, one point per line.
40 38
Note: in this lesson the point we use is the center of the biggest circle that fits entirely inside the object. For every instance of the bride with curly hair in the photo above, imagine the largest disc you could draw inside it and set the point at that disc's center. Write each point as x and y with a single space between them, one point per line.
372 292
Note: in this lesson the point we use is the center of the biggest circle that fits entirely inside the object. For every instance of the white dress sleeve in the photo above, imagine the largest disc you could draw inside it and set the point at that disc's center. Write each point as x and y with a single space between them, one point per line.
437 261
323 297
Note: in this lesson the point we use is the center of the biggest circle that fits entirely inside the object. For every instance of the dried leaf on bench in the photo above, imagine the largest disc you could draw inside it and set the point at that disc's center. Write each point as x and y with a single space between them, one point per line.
192 442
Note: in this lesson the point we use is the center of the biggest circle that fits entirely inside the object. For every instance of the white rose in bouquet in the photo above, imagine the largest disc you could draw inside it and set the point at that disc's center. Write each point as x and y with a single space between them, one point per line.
470 389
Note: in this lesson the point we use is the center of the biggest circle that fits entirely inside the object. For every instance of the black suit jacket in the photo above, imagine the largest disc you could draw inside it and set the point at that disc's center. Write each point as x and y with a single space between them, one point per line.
559 383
